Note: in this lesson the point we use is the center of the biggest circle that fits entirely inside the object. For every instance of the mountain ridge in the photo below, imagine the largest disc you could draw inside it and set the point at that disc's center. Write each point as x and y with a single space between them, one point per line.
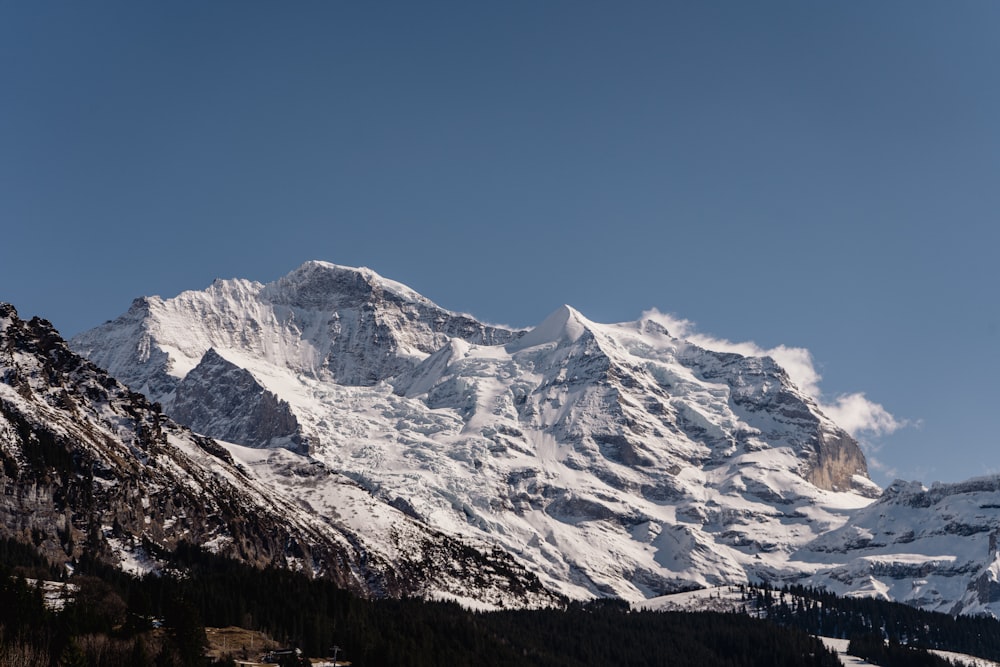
591 452
604 459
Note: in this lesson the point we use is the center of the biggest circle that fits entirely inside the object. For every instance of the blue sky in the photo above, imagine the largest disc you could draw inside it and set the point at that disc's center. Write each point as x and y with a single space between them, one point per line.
812 174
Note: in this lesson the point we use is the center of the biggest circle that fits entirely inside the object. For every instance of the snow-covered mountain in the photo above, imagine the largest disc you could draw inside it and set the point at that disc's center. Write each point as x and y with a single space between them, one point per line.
608 459
934 548
89 466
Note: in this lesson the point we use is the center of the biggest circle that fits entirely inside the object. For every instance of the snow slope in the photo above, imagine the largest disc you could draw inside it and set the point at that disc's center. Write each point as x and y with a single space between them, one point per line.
934 548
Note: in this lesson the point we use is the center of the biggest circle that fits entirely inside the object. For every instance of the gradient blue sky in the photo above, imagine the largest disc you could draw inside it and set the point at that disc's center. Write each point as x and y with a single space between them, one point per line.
822 175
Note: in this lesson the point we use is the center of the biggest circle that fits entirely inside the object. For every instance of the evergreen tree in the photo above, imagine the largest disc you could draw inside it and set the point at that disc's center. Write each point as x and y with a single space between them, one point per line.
73 656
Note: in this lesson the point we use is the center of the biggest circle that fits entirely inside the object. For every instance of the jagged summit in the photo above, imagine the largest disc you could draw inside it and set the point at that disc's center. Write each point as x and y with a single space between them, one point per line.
332 323
7 315
322 285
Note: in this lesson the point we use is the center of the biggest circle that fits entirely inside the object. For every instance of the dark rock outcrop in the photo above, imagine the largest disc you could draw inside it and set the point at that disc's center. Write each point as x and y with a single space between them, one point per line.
222 400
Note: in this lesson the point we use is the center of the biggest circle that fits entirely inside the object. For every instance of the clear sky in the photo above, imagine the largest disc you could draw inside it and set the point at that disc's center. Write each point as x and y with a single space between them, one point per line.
821 175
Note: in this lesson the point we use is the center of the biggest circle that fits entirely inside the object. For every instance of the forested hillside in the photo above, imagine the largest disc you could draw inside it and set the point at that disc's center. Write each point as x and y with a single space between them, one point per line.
111 622
820 612
109 619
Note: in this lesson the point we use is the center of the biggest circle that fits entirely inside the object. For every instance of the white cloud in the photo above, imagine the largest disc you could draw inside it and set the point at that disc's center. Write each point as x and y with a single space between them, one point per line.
854 413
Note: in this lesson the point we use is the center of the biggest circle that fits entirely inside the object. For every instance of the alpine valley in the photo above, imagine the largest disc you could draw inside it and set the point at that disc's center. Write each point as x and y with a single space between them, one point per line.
339 423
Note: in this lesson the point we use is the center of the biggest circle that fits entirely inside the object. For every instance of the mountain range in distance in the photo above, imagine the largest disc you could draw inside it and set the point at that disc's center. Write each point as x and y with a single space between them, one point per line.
406 449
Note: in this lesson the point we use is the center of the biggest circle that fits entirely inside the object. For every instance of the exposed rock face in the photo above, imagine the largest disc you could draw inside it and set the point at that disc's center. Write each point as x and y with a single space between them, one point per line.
98 464
838 462
89 466
832 459
224 401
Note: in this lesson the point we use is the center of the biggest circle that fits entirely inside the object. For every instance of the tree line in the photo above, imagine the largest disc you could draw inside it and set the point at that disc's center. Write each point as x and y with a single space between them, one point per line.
117 619
865 620
159 620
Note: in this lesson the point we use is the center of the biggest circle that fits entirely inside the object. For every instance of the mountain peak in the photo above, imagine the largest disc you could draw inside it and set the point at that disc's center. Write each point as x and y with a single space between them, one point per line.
321 285
564 324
